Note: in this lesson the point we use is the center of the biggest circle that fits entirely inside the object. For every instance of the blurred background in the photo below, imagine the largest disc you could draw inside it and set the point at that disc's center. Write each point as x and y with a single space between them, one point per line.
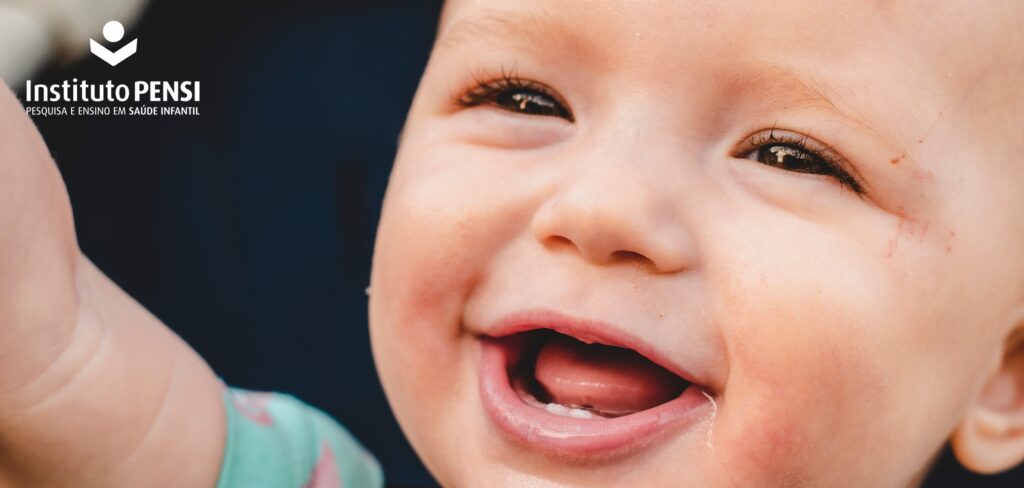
249 230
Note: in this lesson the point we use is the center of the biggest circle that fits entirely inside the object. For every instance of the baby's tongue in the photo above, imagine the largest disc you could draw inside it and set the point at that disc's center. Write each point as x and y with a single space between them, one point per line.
609 380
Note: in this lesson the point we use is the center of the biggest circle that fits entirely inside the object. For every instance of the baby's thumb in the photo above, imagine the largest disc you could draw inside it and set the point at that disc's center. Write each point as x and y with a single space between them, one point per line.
38 251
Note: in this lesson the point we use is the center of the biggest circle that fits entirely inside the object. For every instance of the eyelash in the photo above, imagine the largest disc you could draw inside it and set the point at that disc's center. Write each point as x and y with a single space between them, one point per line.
823 156
491 91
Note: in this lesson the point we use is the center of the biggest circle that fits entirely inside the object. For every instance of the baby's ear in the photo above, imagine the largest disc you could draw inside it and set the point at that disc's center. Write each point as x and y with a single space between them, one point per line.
991 437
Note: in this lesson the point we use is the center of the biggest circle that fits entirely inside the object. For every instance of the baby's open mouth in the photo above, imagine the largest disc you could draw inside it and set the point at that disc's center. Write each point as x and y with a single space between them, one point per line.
571 378
582 389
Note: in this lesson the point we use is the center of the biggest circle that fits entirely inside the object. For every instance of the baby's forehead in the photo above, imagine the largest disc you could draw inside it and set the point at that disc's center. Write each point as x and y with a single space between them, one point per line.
959 39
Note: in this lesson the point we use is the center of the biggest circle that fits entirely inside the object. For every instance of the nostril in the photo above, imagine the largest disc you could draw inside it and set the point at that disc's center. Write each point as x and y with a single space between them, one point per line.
556 241
630 256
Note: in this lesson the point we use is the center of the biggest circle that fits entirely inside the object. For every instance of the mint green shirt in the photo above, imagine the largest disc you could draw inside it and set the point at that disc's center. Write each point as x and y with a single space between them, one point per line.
275 440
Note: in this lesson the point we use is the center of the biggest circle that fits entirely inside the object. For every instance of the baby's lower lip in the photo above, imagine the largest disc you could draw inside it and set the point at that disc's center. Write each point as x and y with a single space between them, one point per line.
580 435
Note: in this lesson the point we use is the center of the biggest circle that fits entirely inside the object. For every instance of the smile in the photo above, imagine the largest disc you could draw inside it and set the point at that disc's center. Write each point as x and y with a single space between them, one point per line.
577 389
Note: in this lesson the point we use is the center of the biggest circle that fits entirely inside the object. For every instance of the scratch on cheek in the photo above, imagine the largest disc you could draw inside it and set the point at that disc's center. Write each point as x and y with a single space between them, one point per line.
894 240
922 176
906 226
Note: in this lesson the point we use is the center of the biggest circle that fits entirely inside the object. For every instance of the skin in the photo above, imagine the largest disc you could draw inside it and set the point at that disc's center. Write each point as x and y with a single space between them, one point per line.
844 337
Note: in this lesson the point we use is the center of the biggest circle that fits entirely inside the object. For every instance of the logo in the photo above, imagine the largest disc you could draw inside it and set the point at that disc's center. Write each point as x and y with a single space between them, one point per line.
138 98
113 32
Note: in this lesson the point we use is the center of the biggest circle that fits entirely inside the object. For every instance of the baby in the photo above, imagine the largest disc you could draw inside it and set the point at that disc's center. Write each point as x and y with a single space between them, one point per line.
657 243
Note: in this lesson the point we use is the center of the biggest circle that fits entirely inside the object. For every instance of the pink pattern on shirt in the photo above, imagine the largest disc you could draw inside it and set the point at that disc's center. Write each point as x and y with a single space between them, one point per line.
253 405
325 474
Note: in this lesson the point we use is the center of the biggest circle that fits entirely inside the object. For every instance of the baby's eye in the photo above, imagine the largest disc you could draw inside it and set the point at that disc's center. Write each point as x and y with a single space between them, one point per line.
530 102
793 154
791 158
516 95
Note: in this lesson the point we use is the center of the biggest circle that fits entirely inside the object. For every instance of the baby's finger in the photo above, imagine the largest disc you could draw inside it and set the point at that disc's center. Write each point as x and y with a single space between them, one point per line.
38 250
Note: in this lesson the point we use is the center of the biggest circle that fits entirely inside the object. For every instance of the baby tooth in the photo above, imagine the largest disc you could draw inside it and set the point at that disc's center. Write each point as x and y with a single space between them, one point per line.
558 409
580 414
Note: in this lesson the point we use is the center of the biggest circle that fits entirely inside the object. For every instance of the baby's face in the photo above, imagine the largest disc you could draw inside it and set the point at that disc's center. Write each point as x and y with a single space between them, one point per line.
799 223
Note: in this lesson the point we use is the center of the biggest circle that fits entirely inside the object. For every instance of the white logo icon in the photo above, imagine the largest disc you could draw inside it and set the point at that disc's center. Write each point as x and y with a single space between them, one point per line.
113 32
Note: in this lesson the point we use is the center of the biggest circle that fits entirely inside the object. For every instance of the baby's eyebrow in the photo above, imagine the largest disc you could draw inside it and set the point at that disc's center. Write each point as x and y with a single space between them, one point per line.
781 86
527 28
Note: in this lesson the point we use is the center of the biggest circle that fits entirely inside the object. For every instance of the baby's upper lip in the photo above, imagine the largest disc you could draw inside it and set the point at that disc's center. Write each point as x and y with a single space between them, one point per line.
589 331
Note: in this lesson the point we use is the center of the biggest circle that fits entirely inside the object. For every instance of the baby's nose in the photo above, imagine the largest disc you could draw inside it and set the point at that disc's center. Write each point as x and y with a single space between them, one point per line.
609 215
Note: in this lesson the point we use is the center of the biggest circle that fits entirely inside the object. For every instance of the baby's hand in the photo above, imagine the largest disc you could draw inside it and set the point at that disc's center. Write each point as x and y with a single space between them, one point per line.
94 391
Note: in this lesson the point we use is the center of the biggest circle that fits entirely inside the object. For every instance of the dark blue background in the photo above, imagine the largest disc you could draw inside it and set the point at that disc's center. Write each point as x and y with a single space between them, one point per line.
249 230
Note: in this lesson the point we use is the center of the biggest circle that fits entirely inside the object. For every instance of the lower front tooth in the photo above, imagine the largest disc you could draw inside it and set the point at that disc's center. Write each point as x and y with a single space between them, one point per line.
564 411
558 409
580 414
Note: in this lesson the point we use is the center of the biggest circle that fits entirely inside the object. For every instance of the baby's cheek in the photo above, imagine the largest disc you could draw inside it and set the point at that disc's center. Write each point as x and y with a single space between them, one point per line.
430 245
418 266
439 229
445 219
423 267
798 403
